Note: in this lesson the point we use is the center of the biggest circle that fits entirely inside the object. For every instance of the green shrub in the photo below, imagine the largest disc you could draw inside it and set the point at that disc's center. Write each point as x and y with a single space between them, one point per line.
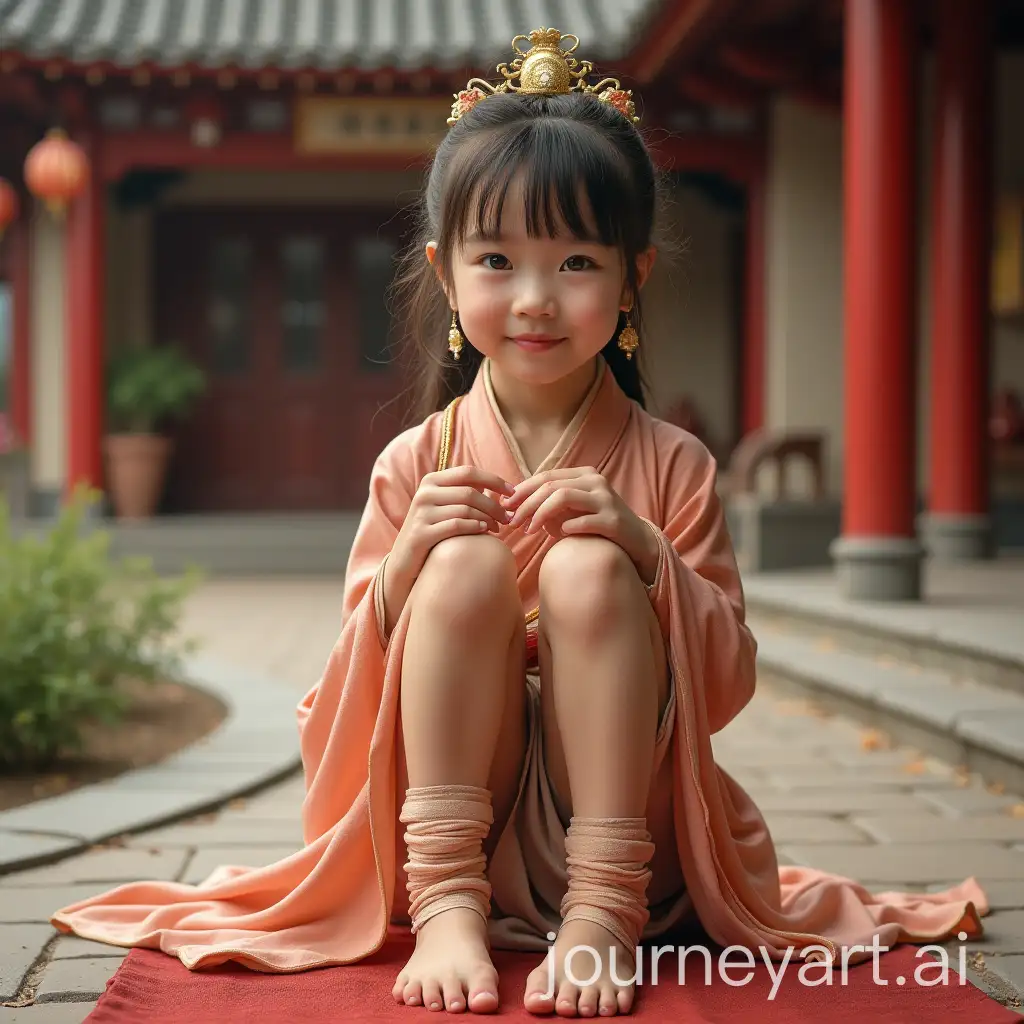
74 624
147 387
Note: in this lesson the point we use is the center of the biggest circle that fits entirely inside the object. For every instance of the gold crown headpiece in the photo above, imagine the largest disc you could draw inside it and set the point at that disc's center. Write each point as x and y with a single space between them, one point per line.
546 69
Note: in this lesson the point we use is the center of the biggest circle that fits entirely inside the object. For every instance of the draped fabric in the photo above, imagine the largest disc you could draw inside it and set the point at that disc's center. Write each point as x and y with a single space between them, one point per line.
331 902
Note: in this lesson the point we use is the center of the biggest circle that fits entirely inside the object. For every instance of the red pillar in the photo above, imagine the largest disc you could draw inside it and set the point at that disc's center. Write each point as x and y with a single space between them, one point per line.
957 523
878 554
21 326
754 306
85 319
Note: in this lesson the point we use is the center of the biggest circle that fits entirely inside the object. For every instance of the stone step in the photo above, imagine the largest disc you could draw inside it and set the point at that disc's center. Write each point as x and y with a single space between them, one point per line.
258 544
959 719
986 650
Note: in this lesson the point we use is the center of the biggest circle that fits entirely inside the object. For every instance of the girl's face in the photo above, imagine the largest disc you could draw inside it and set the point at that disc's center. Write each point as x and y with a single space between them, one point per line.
539 307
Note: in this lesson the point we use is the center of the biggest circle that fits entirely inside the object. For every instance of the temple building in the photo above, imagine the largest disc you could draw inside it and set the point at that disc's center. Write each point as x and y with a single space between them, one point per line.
844 277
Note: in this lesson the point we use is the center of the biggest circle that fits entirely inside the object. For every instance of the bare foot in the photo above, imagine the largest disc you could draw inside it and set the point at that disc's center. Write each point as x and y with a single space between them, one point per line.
549 990
451 967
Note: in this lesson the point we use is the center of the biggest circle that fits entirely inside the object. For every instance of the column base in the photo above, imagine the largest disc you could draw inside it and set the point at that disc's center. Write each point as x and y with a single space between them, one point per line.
957 537
879 568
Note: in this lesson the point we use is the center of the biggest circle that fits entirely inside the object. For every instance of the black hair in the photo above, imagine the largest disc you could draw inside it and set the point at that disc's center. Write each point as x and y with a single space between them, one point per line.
579 160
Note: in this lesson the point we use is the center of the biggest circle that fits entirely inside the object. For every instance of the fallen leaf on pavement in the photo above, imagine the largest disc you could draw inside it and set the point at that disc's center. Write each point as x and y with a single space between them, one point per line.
872 739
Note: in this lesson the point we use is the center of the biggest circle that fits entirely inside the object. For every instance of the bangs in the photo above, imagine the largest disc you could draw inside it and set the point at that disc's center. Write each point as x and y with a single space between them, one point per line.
570 180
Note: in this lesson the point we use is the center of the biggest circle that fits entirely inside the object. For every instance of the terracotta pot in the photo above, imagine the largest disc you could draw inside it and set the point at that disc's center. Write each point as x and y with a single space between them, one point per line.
136 468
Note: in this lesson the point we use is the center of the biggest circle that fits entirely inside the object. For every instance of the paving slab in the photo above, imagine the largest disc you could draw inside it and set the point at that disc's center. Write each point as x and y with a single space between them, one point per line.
71 947
20 946
17 848
1004 933
812 828
206 862
895 757
235 831
38 903
1002 894
103 866
968 800
1004 731
845 802
76 981
1009 968
867 778
927 828
46 1013
913 862
779 756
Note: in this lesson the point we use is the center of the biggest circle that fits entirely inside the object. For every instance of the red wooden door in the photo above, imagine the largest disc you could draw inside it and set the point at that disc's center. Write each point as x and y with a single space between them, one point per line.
286 310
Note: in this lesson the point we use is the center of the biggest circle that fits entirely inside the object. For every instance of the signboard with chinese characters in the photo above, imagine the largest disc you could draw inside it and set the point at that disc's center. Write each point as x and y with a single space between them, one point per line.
335 124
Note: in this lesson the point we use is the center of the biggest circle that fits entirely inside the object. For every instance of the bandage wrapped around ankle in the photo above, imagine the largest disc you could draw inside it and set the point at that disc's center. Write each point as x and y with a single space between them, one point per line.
446 827
607 860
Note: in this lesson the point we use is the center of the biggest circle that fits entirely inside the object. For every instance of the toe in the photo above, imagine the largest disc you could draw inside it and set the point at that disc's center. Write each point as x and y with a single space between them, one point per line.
454 996
624 999
432 998
567 1000
608 1005
587 1004
537 996
483 991
399 988
413 993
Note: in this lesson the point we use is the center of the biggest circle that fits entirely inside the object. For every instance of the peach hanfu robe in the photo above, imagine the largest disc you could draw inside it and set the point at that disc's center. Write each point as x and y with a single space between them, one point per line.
331 902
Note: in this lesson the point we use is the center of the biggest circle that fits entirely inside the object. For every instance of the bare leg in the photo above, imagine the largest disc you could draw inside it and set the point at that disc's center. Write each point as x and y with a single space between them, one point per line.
463 722
604 685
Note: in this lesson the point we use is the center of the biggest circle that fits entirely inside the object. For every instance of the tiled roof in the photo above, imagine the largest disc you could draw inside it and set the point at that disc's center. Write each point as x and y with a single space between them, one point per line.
316 34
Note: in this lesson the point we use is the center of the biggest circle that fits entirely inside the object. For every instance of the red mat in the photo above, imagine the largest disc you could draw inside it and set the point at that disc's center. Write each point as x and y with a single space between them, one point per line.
153 988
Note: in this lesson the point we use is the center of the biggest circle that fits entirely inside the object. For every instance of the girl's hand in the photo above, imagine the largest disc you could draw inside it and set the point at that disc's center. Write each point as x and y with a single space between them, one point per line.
446 504
569 502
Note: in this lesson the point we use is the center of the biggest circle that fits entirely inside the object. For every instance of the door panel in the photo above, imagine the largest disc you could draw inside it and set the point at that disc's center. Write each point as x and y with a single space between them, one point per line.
286 310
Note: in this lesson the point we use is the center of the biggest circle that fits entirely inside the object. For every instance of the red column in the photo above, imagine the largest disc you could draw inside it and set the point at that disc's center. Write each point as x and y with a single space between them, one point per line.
880 555
21 326
962 216
754 306
85 319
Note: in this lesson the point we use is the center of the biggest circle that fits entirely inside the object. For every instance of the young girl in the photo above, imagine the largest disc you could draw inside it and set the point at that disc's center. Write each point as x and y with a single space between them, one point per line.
543 627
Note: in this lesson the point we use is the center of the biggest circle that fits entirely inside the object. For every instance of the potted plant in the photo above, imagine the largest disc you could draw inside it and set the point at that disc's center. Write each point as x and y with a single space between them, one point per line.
146 388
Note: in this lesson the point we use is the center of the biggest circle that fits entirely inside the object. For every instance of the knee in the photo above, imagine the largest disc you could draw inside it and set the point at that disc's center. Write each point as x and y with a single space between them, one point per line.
468 581
586 583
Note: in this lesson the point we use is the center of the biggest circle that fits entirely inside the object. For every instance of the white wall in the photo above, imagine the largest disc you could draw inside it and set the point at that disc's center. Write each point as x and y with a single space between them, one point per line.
48 371
689 308
803 279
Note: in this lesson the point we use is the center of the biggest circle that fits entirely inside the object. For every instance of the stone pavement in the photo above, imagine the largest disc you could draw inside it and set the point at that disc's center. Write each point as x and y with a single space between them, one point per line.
835 796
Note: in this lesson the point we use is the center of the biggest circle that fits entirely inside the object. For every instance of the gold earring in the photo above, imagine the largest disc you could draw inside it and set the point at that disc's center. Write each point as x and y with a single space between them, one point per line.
628 339
455 338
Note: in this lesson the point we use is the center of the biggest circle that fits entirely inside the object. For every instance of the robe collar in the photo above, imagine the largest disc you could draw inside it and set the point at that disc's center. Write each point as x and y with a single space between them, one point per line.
588 440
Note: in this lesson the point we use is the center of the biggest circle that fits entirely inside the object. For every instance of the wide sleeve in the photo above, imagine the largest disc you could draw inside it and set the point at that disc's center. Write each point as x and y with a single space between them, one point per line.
697 593
338 716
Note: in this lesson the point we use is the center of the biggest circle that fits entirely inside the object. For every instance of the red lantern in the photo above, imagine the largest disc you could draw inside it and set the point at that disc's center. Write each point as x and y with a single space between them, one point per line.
8 204
56 170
